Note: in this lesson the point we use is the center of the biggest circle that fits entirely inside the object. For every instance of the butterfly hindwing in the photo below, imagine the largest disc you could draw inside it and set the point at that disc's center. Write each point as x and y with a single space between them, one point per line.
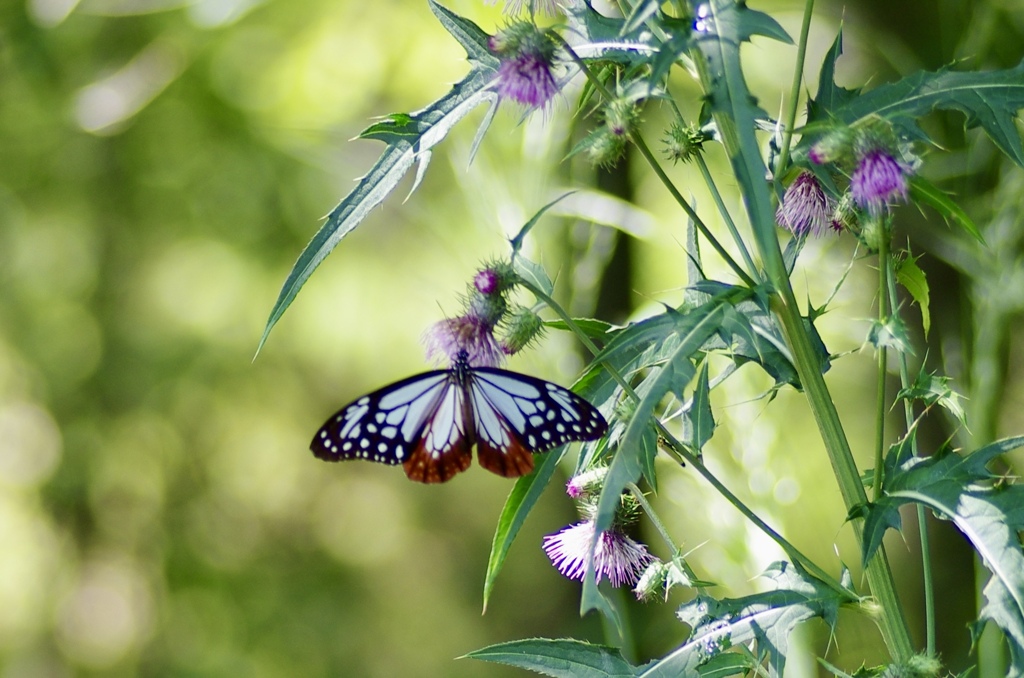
444 446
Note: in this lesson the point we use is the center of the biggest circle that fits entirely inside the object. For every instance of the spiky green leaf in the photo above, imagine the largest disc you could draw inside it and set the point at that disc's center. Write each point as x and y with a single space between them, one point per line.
409 138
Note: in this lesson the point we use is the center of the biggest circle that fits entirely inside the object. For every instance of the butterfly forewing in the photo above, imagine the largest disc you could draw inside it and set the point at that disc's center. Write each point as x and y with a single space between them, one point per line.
384 426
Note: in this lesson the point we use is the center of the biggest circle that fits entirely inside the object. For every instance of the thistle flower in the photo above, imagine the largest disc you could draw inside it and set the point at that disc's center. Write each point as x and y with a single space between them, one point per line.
616 557
877 179
486 281
469 333
527 57
806 208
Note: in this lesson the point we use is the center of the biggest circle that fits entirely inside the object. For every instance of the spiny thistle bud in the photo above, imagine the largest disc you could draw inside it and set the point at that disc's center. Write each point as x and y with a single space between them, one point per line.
587 483
488 308
486 281
835 147
924 666
521 328
620 117
652 581
604 148
684 142
496 277
872 230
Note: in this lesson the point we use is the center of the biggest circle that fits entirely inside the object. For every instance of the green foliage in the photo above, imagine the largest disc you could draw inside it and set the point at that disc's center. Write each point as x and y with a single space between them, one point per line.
660 365
520 502
559 658
988 100
990 514
910 275
409 139
718 626
765 618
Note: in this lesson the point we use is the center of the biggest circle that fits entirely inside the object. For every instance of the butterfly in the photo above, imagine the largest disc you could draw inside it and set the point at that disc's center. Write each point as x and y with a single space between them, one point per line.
430 422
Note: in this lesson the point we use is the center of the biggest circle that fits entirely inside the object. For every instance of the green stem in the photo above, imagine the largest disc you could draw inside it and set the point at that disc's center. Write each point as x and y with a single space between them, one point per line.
698 222
656 166
680 450
736 130
883 318
794 93
922 521
649 510
726 217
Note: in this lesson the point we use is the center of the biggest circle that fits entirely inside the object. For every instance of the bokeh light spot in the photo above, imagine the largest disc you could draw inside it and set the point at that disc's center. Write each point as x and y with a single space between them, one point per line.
31 444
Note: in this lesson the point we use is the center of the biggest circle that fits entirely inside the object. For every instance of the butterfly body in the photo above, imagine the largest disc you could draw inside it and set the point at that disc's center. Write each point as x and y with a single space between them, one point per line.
431 422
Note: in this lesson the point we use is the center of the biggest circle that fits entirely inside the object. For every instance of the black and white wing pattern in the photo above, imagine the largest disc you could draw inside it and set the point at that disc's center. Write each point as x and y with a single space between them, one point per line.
515 416
430 422
391 425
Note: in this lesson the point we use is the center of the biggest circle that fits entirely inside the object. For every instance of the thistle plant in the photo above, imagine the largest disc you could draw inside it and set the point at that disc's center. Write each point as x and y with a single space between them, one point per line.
845 168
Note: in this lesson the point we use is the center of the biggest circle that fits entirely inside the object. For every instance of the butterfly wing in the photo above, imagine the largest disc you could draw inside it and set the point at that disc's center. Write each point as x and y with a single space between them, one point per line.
444 445
419 422
515 415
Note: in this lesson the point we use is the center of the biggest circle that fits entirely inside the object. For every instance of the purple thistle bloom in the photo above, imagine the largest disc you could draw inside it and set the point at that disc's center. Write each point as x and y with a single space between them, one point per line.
526 79
877 179
486 281
806 208
616 557
445 339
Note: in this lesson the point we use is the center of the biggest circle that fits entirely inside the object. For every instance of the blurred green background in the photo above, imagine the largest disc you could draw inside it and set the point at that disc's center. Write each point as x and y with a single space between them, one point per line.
162 163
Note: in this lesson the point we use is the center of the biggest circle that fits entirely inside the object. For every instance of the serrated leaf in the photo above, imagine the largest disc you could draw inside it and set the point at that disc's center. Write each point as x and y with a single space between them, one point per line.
990 100
930 389
891 334
675 45
699 324
830 96
1002 609
767 618
605 38
736 112
727 664
989 514
752 22
642 11
566 658
409 138
923 191
751 334
698 420
520 502
592 327
913 279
